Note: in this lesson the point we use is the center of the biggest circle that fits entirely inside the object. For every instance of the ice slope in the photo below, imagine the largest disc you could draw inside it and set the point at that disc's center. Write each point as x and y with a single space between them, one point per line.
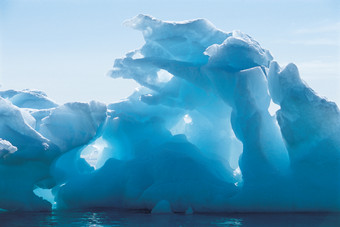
27 154
28 99
197 135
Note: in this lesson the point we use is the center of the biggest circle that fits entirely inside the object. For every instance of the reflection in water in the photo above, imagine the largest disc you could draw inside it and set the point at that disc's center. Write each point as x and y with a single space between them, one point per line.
132 218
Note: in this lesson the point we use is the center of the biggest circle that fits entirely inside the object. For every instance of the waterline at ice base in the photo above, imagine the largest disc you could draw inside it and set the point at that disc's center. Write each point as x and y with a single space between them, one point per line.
196 136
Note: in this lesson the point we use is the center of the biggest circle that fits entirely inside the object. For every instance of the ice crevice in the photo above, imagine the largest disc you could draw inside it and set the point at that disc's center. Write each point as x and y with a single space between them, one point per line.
198 134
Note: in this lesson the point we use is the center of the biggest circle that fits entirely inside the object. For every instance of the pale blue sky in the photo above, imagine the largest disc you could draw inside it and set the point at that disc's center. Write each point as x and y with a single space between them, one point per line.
65 47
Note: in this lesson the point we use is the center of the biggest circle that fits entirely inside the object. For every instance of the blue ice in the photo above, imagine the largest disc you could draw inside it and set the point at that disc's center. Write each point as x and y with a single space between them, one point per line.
196 136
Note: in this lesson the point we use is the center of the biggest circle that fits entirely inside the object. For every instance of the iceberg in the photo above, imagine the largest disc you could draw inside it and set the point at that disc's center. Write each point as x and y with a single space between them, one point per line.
196 136
28 99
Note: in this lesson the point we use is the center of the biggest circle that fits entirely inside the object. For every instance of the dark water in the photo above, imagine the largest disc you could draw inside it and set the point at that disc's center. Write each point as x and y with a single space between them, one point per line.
131 218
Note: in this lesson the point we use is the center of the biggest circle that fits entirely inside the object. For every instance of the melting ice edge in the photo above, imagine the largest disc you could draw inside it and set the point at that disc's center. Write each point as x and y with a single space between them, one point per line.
195 137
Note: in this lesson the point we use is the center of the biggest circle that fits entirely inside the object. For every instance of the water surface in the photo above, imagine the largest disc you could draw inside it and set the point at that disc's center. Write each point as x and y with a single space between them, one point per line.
137 218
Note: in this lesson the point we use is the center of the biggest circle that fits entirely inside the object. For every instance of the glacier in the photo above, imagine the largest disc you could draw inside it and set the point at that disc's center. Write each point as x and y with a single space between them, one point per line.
196 136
